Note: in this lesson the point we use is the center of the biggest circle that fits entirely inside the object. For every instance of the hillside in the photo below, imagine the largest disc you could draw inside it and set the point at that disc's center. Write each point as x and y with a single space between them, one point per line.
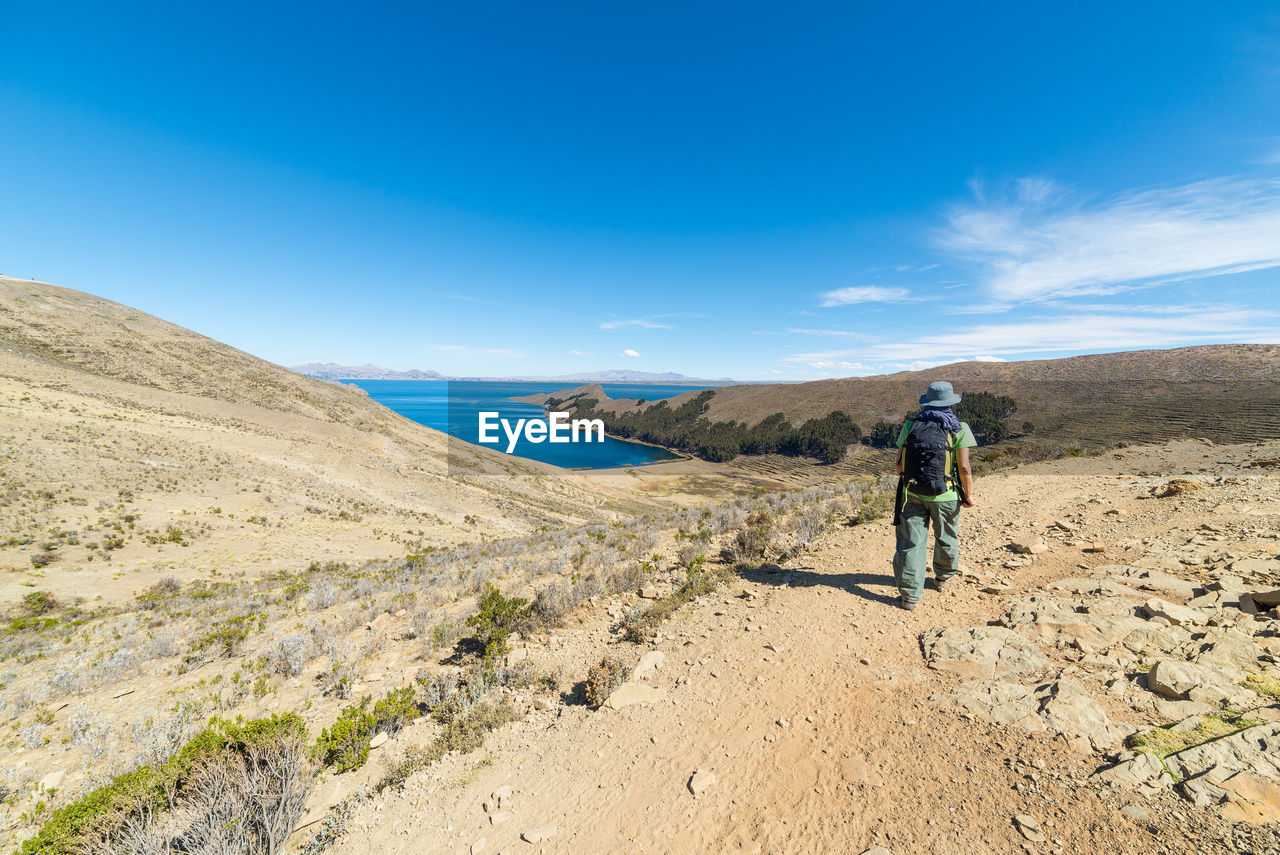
1227 393
1224 392
1102 677
136 449
795 710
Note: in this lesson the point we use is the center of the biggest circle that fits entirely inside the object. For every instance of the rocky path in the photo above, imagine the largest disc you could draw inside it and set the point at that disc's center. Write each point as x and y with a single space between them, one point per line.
800 712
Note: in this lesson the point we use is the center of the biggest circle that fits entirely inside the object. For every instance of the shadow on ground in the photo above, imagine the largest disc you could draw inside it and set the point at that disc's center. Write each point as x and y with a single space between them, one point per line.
860 584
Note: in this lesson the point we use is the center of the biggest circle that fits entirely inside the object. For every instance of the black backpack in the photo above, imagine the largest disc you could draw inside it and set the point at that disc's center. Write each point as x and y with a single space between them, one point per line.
925 458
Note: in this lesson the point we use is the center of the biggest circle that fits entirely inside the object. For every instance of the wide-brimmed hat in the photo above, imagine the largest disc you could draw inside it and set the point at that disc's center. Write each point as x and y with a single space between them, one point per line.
940 394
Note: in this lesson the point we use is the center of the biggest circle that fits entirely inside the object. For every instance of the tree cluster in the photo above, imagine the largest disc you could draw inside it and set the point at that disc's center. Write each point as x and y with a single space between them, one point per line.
986 414
686 428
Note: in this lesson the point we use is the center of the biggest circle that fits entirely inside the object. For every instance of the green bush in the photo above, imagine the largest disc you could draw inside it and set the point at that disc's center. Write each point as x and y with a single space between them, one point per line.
396 710
497 618
875 506
345 745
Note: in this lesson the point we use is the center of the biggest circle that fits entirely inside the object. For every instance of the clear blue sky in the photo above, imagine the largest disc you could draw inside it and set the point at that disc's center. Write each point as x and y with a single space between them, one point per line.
720 189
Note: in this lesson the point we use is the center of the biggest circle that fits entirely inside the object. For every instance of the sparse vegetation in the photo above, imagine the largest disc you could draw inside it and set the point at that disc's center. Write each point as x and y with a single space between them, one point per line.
1170 739
39 603
1267 685
699 579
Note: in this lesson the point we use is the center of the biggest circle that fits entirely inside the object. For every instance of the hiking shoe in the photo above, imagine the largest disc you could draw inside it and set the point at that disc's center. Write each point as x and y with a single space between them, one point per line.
905 606
941 585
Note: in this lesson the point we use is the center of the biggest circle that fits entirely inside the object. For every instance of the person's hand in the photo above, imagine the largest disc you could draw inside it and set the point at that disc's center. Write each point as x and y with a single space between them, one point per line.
968 502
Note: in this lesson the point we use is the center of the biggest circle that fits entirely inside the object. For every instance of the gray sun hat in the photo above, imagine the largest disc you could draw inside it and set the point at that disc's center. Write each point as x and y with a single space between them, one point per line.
940 394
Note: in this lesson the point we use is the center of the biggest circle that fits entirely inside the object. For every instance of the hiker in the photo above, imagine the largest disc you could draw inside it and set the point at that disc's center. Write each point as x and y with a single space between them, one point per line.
934 480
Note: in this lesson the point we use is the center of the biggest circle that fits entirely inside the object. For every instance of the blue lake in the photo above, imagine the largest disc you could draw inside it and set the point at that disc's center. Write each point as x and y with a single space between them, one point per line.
453 406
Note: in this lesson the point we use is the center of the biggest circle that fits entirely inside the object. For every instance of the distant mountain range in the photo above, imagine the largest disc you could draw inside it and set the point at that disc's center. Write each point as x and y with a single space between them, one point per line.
333 371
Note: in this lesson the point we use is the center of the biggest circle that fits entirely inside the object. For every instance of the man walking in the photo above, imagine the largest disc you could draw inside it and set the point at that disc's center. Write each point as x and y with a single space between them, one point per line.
934 481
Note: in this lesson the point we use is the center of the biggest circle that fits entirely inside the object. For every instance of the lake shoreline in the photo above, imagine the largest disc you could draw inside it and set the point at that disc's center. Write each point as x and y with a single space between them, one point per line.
676 458
452 407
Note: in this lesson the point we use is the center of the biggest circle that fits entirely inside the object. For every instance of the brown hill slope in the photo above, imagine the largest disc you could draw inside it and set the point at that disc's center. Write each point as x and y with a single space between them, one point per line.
1227 393
135 449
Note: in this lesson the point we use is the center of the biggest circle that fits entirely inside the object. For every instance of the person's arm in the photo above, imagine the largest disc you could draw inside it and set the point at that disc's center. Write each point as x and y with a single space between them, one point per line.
900 459
966 476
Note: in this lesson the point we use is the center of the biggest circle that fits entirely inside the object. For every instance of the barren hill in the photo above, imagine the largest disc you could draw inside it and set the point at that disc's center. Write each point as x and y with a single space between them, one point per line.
135 449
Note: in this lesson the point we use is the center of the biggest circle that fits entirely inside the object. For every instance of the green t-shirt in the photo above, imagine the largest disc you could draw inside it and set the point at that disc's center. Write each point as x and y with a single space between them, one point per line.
963 439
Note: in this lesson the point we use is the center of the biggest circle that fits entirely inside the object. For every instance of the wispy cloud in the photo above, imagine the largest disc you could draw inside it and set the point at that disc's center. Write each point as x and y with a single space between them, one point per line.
631 353
837 333
644 323
468 350
467 298
1085 332
1040 243
580 353
842 361
865 294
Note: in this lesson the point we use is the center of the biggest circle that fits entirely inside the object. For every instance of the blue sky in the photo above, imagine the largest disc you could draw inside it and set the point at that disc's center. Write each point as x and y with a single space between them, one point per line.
760 191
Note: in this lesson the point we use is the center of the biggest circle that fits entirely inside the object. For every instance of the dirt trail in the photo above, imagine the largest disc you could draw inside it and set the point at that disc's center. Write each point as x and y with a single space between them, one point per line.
805 693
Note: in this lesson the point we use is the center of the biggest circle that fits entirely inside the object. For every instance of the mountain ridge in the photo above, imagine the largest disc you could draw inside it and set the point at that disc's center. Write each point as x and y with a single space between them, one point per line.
334 371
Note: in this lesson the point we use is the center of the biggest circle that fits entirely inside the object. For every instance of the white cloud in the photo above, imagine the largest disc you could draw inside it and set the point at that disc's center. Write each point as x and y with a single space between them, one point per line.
580 353
865 294
1083 332
635 322
631 353
468 350
1039 244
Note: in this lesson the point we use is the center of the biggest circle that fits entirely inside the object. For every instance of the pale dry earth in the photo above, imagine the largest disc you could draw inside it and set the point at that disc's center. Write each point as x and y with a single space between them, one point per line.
806 695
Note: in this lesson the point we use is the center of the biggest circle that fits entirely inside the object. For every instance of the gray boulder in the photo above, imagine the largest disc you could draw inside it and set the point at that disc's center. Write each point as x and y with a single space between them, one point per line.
998 701
1191 681
981 651
1174 614
1067 709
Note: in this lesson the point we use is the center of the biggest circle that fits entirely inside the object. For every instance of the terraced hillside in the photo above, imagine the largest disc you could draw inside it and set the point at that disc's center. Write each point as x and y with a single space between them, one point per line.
1226 393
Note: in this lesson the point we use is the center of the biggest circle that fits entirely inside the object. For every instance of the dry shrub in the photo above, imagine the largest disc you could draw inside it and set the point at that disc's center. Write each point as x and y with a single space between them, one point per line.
604 676
1177 487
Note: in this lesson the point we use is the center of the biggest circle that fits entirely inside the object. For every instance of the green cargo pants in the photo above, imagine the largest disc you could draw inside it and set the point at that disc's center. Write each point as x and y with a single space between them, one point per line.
913 541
